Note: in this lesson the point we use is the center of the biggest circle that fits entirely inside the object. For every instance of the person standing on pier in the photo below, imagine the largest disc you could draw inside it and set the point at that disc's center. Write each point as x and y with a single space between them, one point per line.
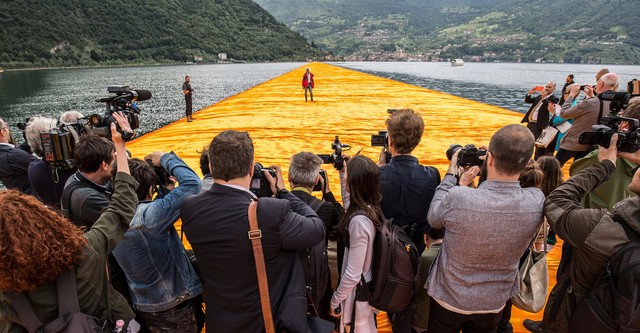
188 94
308 84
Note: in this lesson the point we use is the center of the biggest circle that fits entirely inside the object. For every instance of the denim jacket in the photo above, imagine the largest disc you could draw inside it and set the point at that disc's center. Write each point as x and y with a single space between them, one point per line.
151 254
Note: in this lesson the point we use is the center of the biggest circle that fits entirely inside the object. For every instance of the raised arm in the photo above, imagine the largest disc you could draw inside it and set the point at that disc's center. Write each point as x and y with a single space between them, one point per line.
114 221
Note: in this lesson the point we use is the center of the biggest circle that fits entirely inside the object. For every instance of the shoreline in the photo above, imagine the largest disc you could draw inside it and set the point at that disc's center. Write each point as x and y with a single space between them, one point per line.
156 64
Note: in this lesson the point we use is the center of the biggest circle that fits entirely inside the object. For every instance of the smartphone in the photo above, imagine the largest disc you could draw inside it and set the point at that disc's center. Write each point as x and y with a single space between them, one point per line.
538 88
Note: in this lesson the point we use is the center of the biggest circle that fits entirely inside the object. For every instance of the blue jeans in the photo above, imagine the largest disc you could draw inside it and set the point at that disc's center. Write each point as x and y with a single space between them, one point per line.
180 319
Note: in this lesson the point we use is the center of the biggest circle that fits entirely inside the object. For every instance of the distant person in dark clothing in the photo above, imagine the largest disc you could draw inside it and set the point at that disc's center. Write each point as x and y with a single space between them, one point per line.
188 94
537 118
407 187
565 89
308 84
14 163
46 181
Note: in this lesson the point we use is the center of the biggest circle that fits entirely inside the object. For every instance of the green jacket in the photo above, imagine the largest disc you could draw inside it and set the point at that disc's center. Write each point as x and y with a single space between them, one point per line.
614 189
592 233
95 295
420 313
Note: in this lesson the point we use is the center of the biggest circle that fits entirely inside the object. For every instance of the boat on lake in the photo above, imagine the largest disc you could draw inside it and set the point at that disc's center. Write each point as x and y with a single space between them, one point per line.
457 63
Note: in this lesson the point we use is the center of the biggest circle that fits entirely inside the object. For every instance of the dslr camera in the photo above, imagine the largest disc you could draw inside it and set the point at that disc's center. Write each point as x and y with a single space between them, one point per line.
628 140
58 143
259 184
318 186
469 155
382 140
336 159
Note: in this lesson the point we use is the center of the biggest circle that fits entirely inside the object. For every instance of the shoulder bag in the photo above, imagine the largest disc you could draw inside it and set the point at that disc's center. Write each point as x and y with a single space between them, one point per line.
534 279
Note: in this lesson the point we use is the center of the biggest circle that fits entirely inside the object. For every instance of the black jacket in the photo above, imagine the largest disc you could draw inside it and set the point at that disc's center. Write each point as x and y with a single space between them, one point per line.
84 202
407 190
48 183
543 113
216 224
14 164
330 211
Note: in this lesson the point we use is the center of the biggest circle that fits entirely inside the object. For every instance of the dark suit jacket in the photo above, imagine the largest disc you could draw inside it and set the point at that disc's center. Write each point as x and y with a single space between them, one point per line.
216 224
330 212
543 113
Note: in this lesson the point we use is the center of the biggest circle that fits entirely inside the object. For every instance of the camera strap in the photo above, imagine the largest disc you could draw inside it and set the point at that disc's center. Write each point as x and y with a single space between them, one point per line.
601 110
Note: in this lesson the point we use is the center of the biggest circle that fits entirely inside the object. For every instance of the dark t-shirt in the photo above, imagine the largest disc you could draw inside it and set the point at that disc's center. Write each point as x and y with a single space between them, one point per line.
187 86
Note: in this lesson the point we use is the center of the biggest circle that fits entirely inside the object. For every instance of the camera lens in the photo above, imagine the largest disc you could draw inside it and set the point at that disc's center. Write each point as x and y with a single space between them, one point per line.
453 148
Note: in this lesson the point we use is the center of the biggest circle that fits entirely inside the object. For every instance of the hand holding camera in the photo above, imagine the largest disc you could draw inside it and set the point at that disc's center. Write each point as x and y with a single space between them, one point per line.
277 182
609 153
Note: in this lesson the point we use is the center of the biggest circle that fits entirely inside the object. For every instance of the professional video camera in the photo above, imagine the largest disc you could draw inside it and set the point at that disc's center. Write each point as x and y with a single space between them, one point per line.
259 184
123 101
628 139
468 156
58 143
336 158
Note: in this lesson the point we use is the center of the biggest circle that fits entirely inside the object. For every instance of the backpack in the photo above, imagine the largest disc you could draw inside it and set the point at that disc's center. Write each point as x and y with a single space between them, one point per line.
395 268
70 319
315 263
613 304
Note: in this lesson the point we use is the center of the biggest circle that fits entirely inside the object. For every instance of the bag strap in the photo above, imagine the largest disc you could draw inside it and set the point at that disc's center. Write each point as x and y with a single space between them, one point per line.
23 307
67 293
601 110
316 204
631 234
255 235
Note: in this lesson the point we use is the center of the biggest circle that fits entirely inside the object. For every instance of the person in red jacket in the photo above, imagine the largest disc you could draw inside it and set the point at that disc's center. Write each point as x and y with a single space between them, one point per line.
308 84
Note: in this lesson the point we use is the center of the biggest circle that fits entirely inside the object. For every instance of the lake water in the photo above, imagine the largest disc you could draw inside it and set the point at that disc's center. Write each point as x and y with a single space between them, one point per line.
51 92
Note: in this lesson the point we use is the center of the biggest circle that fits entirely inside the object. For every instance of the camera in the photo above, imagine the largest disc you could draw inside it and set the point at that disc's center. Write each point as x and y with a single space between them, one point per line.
382 140
469 155
582 87
318 186
58 143
628 140
259 184
336 158
123 101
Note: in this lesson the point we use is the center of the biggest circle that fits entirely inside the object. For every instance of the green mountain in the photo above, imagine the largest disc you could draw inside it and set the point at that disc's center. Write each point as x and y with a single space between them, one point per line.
89 32
595 31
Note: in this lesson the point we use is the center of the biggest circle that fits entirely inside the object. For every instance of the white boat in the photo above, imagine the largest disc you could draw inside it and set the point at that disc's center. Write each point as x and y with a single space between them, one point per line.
457 63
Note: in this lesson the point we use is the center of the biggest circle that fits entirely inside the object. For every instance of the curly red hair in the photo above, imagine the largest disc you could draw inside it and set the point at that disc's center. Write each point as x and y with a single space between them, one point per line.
36 244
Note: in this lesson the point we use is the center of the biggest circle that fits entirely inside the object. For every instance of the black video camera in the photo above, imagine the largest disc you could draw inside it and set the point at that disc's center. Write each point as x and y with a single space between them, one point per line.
58 143
628 140
260 186
336 158
382 140
468 156
123 101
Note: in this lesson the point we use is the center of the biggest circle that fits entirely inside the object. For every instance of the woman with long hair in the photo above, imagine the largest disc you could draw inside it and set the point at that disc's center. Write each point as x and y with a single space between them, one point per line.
361 179
37 245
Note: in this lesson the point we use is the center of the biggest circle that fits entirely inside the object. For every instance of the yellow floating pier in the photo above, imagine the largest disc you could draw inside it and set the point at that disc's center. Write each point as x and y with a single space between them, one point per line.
350 104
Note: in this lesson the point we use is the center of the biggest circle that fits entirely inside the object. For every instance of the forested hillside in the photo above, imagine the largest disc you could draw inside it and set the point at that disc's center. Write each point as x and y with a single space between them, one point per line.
88 32
596 31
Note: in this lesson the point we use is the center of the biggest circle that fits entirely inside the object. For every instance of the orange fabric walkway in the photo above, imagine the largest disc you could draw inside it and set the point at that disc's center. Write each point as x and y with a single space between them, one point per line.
347 103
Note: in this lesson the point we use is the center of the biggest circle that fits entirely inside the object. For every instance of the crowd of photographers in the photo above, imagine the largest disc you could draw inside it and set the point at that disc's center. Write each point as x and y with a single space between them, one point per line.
108 219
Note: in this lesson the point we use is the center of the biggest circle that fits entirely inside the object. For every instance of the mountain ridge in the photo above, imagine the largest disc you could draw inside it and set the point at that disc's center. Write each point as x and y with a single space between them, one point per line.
572 31
50 33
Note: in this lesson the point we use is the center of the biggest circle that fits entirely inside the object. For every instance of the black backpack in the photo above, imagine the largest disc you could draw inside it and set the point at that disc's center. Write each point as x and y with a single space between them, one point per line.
613 304
70 319
395 268
315 263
